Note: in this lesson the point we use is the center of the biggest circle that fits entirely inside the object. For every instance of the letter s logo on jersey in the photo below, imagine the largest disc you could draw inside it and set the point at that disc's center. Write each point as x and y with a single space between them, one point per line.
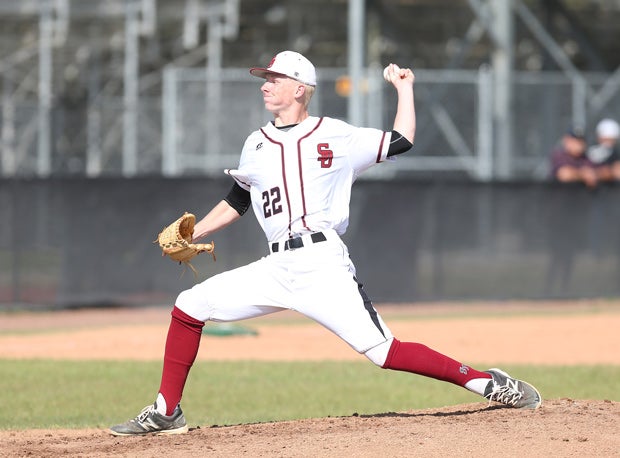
325 155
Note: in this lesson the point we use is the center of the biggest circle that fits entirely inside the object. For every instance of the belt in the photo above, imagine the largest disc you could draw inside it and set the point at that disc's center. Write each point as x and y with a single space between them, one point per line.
297 242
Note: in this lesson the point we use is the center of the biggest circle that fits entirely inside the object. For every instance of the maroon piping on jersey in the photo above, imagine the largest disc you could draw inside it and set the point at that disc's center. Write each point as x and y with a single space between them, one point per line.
301 175
237 179
303 198
288 201
381 147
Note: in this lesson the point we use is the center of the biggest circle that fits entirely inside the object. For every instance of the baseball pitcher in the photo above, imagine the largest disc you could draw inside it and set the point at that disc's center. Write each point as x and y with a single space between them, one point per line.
296 174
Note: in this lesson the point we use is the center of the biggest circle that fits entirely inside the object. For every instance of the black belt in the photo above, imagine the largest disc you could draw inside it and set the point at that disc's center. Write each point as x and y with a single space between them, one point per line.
297 242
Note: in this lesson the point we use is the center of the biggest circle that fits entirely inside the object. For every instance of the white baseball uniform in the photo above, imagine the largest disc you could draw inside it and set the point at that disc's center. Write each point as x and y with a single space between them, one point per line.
300 183
298 179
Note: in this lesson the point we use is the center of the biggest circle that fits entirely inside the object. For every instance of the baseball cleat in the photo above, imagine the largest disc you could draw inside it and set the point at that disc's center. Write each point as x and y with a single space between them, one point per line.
510 391
150 421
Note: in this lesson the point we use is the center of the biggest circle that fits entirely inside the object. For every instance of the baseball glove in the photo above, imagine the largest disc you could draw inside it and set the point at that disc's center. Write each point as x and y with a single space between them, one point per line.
176 241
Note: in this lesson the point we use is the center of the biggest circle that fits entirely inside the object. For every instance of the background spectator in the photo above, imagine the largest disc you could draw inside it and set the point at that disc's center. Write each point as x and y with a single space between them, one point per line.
604 154
569 162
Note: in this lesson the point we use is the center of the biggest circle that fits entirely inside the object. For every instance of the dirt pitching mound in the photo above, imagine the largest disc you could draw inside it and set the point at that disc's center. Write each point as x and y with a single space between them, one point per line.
561 427
541 333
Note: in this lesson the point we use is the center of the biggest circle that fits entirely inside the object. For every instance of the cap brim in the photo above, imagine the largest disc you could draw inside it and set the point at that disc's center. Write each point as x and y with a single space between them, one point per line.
263 72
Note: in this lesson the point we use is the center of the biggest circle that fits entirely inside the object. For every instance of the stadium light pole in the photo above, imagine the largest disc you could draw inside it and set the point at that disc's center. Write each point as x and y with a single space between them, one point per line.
44 158
130 91
502 61
356 26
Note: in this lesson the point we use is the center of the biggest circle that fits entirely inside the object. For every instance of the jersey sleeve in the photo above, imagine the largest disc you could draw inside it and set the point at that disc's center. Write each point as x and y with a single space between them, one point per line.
367 147
242 174
241 179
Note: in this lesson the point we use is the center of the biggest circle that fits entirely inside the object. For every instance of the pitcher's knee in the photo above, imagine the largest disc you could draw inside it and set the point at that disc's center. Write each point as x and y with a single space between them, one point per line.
188 302
184 301
378 354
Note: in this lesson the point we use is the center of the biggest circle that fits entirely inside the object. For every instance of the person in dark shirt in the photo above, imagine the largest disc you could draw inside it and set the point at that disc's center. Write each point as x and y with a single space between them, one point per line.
569 162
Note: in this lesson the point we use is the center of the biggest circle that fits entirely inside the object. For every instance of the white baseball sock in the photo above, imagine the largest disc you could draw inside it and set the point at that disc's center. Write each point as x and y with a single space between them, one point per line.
477 385
161 404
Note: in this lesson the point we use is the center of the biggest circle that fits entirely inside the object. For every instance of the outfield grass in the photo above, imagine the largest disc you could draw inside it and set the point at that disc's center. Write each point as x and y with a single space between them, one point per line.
52 394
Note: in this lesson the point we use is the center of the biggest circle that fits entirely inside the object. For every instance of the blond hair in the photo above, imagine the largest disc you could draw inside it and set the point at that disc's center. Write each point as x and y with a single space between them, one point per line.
308 93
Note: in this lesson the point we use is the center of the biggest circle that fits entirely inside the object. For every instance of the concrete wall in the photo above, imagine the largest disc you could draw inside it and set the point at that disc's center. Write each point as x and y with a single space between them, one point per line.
75 242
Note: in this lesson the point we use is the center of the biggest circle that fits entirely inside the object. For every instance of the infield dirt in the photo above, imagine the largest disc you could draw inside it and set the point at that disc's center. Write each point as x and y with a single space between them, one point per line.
551 333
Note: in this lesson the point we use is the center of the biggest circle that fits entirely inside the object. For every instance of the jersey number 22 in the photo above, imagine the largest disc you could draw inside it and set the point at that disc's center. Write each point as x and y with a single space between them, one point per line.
271 202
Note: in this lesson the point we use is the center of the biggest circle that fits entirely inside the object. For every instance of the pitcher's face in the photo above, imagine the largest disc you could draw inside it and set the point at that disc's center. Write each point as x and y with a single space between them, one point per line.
279 92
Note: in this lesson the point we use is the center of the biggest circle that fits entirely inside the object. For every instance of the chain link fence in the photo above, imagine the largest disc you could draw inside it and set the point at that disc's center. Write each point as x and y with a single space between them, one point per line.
199 124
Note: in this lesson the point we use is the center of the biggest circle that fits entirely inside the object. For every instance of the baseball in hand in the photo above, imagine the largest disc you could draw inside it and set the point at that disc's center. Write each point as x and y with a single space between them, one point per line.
386 75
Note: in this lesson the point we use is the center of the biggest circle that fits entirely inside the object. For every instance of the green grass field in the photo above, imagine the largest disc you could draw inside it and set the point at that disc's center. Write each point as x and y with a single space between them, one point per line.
52 394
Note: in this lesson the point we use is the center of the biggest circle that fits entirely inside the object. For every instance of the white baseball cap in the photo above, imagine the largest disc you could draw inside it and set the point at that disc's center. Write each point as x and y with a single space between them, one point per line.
291 64
608 128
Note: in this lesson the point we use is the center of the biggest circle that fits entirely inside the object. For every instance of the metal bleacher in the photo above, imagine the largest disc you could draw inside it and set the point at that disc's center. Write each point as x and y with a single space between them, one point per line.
84 93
